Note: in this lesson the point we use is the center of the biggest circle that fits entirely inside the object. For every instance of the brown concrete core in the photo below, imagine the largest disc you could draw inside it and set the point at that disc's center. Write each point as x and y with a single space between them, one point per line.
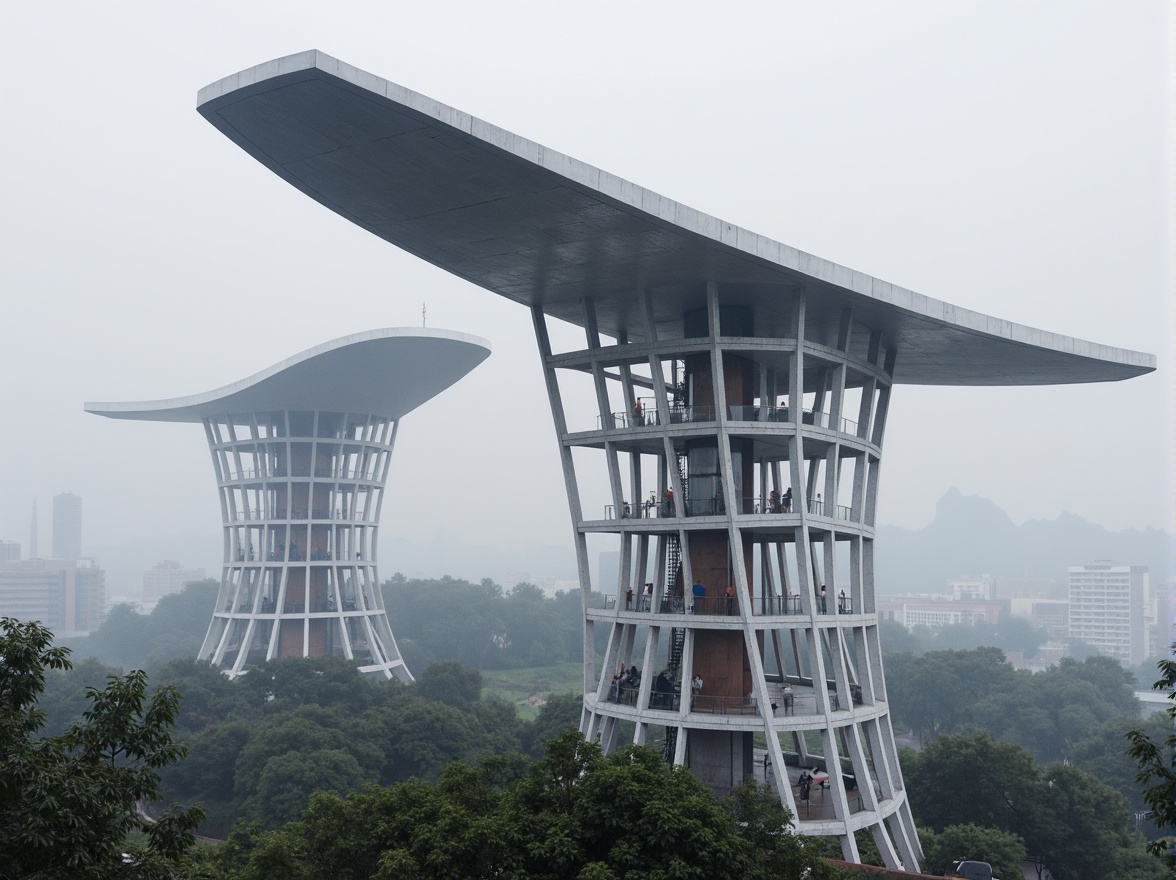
318 637
720 656
290 639
738 378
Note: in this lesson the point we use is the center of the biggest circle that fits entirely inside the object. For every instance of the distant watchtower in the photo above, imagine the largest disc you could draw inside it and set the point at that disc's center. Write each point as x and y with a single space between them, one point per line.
729 373
301 455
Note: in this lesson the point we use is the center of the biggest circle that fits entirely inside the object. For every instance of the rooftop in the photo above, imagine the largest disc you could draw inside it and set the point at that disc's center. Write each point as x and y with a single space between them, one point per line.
541 228
386 372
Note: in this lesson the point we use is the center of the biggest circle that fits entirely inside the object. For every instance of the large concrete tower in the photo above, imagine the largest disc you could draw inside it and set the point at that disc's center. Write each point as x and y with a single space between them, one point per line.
727 373
301 454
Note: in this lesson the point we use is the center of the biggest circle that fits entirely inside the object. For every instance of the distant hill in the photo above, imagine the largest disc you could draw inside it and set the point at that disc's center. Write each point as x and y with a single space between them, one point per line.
971 535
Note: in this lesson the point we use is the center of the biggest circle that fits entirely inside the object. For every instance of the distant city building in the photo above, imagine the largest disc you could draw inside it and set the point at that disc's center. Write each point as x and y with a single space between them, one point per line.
33 549
1026 587
965 588
301 454
9 551
938 610
1109 609
1167 619
67 526
1051 616
166 578
66 595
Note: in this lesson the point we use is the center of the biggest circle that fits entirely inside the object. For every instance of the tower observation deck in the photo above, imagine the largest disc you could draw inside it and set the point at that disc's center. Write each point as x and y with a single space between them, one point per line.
301 454
741 394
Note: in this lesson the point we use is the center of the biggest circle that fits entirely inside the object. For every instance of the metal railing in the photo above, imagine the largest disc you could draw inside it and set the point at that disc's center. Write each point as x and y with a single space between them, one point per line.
670 701
643 510
771 606
648 416
717 506
720 705
753 413
818 507
721 605
367 473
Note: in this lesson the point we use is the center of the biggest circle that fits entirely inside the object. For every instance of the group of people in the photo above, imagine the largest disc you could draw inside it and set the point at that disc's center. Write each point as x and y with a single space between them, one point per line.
625 680
822 601
778 503
629 597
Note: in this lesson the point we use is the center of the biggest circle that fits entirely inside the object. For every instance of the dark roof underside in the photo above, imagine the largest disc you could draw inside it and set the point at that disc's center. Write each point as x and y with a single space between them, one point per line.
541 228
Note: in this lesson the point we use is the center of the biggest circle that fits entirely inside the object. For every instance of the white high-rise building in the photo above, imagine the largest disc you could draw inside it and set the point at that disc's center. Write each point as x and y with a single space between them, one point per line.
1109 609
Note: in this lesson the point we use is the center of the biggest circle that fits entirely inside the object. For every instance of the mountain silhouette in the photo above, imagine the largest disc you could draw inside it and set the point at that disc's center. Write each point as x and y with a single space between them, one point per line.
972 536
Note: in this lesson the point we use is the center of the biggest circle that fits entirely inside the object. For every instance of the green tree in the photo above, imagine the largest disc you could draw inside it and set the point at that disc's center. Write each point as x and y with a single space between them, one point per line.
64 700
287 782
68 803
938 692
1156 759
1001 849
450 683
174 628
560 715
1102 754
1080 827
574 814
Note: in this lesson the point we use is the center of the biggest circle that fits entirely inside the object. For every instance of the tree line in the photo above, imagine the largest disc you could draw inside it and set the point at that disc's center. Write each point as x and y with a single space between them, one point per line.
310 753
482 625
260 744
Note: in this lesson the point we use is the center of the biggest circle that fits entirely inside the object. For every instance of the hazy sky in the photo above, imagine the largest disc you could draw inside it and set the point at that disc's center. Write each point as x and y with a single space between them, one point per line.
1009 157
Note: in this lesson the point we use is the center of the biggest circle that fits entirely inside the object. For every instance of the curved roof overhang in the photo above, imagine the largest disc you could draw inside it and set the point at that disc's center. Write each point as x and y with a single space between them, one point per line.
381 372
544 229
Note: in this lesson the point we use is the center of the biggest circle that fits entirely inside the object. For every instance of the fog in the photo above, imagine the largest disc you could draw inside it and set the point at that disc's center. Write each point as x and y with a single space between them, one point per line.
1008 157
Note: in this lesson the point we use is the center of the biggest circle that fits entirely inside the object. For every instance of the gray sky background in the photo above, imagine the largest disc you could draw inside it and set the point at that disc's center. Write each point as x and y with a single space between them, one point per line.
1009 157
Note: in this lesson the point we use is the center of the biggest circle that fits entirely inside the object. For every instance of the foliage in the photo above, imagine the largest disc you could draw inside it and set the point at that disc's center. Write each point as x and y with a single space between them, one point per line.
1102 754
264 742
561 714
1079 826
480 625
1157 768
1001 849
1013 634
68 803
174 628
1047 712
450 683
574 814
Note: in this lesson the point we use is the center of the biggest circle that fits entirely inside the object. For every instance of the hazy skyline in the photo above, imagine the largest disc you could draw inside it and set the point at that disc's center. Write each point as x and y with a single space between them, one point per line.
1010 158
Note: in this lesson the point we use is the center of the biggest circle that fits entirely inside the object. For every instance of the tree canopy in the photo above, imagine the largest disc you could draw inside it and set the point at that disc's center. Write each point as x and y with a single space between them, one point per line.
1082 828
481 625
261 744
68 803
575 813
1047 713
1156 758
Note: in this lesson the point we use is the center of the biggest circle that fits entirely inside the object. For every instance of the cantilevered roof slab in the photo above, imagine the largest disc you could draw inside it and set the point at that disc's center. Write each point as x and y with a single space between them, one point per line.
542 228
382 372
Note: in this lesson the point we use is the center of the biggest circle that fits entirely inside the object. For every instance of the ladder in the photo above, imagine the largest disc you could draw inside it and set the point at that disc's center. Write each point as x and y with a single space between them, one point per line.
671 745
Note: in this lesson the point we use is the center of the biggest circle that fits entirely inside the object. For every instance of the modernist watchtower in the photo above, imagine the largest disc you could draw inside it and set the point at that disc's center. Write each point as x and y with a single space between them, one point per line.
729 372
301 454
